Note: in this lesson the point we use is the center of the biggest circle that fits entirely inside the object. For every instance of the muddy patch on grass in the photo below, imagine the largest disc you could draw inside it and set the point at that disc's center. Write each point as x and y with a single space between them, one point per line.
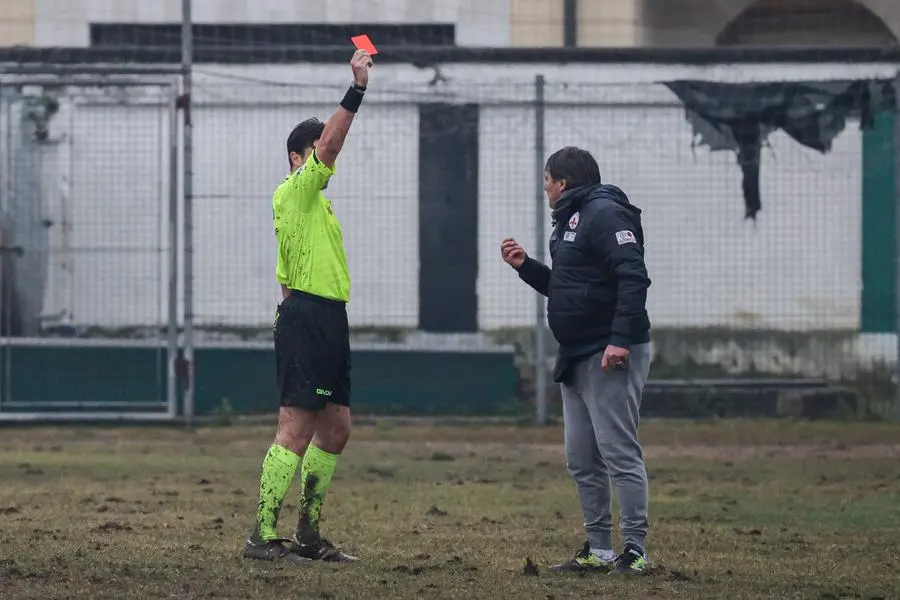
848 593
30 470
661 572
532 569
380 472
488 451
111 527
790 452
452 564
413 570
10 571
442 457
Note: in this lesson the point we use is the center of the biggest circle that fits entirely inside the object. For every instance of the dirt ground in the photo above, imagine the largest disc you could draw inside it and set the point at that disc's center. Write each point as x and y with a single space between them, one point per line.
739 510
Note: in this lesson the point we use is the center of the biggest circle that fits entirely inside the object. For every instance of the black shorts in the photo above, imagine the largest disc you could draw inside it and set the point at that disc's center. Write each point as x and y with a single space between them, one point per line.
312 352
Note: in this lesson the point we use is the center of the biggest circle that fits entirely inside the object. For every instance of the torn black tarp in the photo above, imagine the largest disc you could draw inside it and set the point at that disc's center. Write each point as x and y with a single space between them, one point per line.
740 117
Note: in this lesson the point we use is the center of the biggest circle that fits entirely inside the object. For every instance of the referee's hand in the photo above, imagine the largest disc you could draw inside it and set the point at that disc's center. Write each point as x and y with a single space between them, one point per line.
361 63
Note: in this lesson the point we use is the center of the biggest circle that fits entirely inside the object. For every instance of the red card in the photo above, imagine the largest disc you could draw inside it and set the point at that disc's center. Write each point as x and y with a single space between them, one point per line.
362 42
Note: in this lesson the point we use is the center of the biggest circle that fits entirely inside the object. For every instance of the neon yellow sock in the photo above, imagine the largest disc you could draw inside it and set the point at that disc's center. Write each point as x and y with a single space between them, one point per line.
278 469
315 477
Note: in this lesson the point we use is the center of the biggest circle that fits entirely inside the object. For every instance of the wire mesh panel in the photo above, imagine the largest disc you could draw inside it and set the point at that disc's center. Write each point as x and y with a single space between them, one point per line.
775 296
85 198
787 270
768 294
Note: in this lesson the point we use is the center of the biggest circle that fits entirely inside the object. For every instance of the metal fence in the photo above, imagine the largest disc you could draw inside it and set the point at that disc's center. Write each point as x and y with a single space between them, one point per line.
88 211
91 200
779 297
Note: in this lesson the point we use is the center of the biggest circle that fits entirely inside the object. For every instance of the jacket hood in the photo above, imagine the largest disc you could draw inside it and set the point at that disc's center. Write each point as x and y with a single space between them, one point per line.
573 200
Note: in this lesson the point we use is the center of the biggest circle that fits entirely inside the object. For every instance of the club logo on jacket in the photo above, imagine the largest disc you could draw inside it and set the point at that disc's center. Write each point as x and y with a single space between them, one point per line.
569 236
625 237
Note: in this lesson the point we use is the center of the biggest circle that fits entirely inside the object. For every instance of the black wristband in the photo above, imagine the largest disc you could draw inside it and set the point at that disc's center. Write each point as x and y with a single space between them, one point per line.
353 98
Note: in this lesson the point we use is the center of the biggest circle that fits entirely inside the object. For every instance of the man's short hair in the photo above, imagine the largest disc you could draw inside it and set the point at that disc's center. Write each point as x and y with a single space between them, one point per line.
303 135
575 166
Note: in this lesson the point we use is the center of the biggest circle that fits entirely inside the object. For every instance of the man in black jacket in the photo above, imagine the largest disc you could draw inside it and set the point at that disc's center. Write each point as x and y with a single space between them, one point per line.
597 292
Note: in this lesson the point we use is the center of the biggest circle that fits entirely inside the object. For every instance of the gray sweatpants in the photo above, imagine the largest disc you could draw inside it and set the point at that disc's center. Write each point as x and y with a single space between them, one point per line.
601 415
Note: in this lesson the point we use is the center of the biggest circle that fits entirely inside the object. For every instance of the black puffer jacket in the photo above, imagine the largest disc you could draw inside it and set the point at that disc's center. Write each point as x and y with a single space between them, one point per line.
597 286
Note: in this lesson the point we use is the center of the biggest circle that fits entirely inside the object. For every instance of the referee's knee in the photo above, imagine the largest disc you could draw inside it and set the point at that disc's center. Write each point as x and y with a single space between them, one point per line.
333 429
333 441
295 429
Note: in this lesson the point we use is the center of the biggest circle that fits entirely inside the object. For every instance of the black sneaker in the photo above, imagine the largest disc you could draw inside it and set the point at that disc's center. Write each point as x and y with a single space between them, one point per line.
584 561
272 550
632 561
318 548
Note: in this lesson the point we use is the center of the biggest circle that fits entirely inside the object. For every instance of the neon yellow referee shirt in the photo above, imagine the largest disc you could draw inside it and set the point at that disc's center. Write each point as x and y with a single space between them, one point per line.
311 255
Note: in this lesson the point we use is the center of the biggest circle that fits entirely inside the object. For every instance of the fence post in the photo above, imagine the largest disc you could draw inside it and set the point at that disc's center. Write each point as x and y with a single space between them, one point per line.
187 59
895 413
172 326
540 242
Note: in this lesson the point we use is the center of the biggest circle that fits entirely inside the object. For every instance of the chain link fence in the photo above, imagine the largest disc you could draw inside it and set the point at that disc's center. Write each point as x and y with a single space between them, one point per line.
87 188
86 199
777 297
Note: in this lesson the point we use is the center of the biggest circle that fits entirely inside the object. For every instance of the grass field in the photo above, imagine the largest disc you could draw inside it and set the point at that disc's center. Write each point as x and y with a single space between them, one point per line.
738 510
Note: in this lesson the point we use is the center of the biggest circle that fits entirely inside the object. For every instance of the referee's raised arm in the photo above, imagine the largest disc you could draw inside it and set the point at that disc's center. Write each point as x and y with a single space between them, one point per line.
338 126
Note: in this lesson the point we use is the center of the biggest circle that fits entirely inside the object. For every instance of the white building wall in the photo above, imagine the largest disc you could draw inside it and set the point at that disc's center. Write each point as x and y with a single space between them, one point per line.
478 22
797 267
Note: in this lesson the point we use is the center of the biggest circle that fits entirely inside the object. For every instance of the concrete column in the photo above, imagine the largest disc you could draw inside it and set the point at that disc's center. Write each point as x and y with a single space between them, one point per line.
536 23
17 22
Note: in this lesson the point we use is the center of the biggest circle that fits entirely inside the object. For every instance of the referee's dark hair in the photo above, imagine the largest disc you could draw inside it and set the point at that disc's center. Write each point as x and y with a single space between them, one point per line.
304 135
574 166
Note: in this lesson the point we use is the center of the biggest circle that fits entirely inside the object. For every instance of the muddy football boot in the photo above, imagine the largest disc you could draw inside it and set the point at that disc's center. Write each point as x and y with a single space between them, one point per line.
318 548
272 550
584 561
631 562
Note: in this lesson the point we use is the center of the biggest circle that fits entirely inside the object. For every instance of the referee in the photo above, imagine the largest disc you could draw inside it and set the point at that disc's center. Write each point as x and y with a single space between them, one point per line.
312 337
